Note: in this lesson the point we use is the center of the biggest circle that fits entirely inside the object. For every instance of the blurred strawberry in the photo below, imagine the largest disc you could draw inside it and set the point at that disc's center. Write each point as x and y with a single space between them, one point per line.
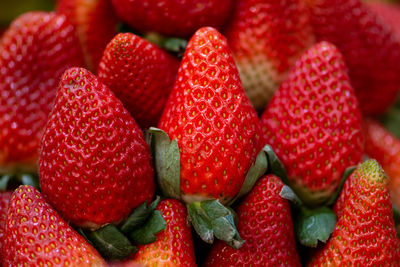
36 49
140 74
4 200
266 38
389 13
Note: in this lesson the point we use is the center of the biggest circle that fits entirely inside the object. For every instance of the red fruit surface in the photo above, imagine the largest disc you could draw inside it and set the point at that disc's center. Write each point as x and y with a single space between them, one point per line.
389 13
94 165
95 24
36 235
369 46
4 200
313 123
383 146
34 52
265 224
266 38
364 234
140 74
171 17
174 245
213 121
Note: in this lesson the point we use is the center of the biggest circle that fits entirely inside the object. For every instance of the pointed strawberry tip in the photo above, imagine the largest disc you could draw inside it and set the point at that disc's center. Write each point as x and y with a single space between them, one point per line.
372 171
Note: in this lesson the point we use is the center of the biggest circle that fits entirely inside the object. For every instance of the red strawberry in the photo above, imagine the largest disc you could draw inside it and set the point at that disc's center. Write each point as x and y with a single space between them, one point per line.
4 199
313 123
371 50
211 118
364 234
174 245
266 38
383 146
171 17
140 74
94 165
95 24
36 49
36 235
266 226
389 13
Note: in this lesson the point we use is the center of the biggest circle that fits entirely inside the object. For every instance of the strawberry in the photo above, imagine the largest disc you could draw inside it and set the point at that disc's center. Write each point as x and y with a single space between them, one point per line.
140 74
370 49
173 18
36 49
36 235
266 38
383 146
265 223
313 123
4 200
95 24
364 234
174 245
389 13
94 165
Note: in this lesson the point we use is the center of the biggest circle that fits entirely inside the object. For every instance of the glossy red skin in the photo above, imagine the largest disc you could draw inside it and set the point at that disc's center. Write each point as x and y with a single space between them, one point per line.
364 234
95 166
265 224
36 49
36 235
389 13
266 38
173 18
174 245
4 200
370 49
313 123
211 118
140 74
383 146
95 23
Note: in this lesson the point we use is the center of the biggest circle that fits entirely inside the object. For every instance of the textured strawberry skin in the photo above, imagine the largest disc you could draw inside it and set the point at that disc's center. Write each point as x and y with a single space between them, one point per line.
313 123
211 118
266 38
140 74
381 145
94 165
95 23
364 234
171 17
371 50
36 49
36 235
174 245
4 200
266 225
389 13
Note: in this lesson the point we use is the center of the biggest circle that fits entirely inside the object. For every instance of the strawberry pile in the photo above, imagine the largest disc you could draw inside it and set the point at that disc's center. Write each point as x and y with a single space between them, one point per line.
201 133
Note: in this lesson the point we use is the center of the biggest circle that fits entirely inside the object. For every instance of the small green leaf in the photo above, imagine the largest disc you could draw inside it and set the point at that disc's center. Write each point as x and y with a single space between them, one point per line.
29 179
287 193
175 45
275 166
396 215
167 161
4 182
147 233
314 225
138 216
111 243
200 223
336 194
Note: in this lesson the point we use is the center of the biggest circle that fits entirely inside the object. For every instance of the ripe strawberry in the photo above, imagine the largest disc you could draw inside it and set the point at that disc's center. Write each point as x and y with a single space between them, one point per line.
140 74
266 38
313 123
364 234
266 226
371 50
211 118
94 165
36 235
4 200
383 146
171 17
389 13
95 24
36 49
174 245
